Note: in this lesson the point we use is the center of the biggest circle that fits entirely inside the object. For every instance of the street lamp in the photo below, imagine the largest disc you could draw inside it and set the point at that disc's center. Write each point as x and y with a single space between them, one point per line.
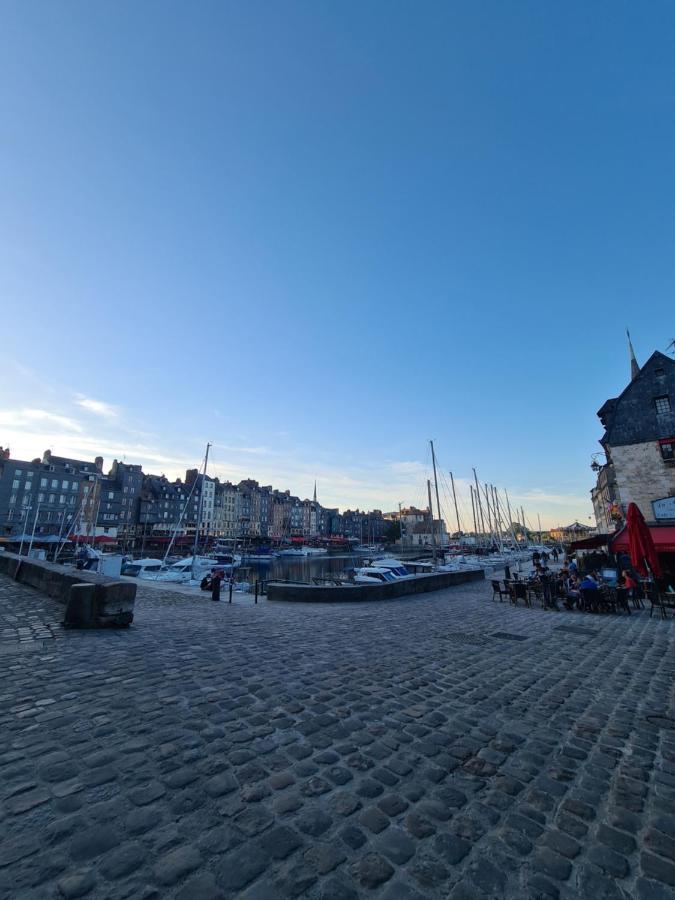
595 464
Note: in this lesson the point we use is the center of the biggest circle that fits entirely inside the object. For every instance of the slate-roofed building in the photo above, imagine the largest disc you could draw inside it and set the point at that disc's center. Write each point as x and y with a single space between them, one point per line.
639 443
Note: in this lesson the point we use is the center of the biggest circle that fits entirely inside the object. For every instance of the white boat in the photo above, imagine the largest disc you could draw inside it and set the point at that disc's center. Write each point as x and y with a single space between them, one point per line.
395 566
137 568
202 566
373 575
226 559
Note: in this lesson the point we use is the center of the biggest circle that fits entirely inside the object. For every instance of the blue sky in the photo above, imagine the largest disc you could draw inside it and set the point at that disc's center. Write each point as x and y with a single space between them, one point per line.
320 234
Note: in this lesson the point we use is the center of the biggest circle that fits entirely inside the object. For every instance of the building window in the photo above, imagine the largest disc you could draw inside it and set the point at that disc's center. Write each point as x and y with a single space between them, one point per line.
668 449
111 495
12 500
28 486
52 498
662 404
43 482
64 485
41 498
55 483
15 484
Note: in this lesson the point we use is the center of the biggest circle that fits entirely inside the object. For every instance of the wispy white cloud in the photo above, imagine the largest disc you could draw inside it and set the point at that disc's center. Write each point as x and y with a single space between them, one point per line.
28 417
97 407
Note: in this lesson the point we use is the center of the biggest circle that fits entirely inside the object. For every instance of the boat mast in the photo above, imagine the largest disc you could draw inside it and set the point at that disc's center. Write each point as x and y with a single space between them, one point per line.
510 523
454 497
438 502
539 521
500 527
479 505
199 513
431 514
489 517
508 508
473 513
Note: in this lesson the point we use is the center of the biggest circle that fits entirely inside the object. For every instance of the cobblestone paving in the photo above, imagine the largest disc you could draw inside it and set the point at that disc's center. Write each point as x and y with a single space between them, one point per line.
408 749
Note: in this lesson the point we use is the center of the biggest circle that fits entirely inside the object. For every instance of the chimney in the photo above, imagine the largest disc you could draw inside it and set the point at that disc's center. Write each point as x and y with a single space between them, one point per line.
98 462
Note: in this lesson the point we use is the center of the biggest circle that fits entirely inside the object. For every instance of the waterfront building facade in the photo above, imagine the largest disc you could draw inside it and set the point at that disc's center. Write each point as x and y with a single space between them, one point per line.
61 496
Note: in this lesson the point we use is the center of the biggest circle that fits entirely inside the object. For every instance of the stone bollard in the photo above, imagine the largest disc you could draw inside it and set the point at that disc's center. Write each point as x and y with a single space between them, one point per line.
80 607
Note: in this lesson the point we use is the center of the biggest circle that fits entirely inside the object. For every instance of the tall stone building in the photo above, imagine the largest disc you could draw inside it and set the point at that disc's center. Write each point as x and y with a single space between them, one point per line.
639 443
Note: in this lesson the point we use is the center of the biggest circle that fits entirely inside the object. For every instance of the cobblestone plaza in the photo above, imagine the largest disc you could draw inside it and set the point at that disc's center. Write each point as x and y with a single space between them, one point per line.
443 746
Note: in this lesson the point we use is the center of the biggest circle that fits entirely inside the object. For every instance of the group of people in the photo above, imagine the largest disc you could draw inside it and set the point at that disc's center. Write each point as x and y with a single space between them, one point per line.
567 584
543 557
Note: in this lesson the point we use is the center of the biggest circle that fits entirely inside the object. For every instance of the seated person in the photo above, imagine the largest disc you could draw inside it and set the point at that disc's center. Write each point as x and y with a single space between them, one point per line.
205 583
589 582
572 592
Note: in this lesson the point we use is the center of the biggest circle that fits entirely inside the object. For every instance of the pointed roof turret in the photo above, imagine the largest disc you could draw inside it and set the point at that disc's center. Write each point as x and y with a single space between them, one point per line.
634 367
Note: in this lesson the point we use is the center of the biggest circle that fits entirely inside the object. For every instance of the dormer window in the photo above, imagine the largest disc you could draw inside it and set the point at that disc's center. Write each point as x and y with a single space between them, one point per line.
662 404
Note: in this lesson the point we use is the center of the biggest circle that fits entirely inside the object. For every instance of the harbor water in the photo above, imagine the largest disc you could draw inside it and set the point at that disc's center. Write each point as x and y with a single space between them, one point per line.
299 568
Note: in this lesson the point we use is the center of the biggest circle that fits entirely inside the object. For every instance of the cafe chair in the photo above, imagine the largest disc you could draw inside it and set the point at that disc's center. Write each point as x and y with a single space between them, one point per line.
499 591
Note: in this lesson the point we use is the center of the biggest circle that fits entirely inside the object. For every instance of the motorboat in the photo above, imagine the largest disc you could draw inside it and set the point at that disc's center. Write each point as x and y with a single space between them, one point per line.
202 565
395 566
138 567
373 575
223 559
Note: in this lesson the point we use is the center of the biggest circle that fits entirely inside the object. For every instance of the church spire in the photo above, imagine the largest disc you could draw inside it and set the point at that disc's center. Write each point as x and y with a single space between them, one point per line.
634 367
315 490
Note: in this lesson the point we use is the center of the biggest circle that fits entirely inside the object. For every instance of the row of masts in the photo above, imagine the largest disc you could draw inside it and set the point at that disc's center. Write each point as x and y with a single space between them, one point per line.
493 523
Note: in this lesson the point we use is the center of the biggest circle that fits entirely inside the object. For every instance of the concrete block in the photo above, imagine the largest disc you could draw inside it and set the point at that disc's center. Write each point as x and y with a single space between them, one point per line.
80 607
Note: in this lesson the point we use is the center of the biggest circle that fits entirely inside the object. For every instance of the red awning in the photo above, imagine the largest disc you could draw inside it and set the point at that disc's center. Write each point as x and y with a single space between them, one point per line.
598 540
663 537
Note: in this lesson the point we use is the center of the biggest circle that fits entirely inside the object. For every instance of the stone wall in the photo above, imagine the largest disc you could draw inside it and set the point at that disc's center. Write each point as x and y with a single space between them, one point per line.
642 476
113 600
420 584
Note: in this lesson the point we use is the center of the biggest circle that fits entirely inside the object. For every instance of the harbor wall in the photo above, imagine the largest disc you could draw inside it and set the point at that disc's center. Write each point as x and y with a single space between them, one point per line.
113 600
328 593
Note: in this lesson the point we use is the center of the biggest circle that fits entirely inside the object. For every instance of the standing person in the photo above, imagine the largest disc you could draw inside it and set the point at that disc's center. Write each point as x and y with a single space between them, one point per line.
536 556
215 585
555 554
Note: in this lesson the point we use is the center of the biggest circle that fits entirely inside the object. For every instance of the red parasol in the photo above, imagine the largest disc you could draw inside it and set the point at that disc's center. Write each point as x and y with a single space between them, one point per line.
641 544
